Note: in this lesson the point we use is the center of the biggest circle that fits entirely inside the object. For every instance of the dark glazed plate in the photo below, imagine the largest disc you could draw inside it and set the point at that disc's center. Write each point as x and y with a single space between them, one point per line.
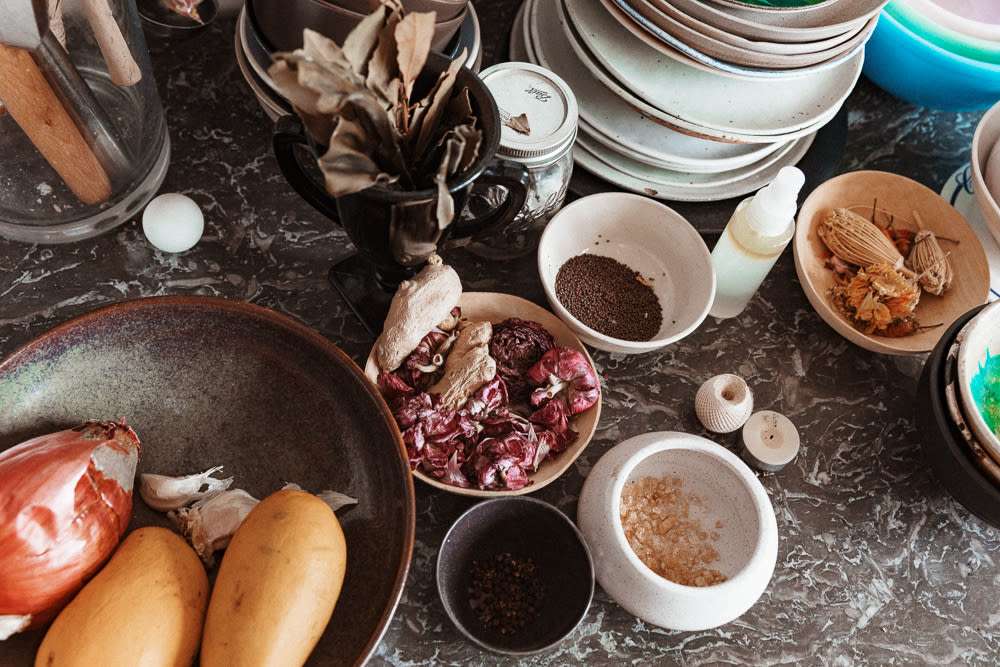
209 382
526 529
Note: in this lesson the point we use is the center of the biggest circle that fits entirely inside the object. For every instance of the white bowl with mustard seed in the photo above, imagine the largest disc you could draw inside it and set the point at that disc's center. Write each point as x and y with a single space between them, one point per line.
660 247
666 507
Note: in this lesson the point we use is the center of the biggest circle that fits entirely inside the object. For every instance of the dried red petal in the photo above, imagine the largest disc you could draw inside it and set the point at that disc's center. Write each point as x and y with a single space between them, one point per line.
565 372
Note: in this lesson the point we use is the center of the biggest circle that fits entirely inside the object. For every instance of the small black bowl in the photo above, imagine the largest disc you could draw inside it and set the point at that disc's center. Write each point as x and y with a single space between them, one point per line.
943 445
526 529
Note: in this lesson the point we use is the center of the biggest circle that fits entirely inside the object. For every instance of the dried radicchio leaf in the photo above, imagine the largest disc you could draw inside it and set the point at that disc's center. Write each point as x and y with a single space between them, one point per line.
413 42
517 345
518 123
565 373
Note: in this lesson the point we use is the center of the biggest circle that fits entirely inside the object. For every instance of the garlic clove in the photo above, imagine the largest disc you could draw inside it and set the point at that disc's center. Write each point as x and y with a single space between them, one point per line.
10 625
210 523
163 493
332 498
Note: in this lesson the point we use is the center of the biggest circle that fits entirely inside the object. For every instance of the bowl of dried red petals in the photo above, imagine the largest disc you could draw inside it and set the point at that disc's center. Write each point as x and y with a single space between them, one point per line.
515 576
493 394
682 532
887 262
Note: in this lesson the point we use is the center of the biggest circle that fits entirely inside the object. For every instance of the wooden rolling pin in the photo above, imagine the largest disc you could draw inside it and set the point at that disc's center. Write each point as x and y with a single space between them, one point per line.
121 65
33 104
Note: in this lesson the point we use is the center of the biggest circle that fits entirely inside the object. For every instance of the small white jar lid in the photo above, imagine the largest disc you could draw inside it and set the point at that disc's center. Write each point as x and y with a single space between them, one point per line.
547 101
770 441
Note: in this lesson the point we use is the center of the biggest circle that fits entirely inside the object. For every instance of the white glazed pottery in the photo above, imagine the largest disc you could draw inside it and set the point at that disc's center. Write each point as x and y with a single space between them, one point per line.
981 338
730 493
710 100
649 238
984 141
723 403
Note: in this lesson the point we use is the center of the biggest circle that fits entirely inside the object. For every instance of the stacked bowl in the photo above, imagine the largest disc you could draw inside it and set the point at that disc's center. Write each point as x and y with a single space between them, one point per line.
269 26
697 100
938 53
958 411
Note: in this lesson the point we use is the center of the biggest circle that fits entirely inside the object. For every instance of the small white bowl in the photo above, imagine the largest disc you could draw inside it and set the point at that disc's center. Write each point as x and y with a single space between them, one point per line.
980 338
984 143
729 491
648 237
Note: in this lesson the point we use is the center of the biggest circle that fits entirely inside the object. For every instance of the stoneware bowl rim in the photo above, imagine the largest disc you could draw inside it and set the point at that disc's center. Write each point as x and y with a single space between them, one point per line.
969 359
678 223
540 505
297 328
989 123
671 441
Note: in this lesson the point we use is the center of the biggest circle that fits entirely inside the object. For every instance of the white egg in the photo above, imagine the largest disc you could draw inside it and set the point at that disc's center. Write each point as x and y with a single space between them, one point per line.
173 222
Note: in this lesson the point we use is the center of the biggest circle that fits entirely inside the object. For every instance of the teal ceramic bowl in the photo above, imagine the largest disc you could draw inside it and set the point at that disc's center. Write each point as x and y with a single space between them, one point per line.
983 50
912 68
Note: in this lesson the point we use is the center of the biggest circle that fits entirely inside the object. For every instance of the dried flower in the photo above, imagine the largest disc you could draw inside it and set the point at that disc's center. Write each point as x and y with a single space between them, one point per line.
929 261
858 241
878 299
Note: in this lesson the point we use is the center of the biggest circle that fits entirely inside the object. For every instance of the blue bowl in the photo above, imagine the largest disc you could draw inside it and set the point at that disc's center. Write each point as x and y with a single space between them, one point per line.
911 68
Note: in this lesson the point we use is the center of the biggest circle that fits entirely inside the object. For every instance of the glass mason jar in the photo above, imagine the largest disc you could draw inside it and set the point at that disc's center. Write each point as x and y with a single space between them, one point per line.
83 136
540 118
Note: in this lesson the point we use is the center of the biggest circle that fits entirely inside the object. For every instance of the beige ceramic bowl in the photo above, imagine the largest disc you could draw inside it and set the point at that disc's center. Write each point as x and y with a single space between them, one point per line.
900 196
497 308
987 136
646 236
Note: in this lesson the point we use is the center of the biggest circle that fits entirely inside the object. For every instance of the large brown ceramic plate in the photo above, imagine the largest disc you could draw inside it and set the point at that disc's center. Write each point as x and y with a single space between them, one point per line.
494 307
210 382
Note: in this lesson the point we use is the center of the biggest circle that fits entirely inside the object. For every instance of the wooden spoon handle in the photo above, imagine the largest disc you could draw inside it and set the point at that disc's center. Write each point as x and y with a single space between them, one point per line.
121 65
34 106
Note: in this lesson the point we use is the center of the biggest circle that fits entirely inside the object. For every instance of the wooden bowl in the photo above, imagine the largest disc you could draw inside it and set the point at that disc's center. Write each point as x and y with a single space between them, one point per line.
496 308
900 196
209 382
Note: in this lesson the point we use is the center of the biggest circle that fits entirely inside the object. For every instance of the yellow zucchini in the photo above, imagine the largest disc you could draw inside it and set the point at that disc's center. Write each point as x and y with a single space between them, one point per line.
278 583
144 609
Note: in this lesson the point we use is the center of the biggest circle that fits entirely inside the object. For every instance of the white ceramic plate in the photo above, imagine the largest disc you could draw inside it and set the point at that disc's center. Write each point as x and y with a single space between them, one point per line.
982 338
834 18
682 179
618 114
958 191
690 47
589 161
518 52
735 22
751 107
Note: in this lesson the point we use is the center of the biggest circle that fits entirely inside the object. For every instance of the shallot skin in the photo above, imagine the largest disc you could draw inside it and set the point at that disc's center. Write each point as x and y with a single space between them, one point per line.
65 502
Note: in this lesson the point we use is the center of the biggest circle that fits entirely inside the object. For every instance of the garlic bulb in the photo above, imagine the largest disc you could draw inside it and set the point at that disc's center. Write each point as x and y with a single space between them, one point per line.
210 523
163 493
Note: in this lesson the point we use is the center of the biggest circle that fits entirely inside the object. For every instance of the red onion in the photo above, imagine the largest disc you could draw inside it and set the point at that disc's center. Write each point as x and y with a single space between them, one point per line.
65 503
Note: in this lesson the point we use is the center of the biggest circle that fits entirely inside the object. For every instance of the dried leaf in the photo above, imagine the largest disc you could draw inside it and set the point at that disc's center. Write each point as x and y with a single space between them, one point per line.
518 123
459 110
364 109
438 98
346 166
303 100
323 51
383 73
413 42
361 41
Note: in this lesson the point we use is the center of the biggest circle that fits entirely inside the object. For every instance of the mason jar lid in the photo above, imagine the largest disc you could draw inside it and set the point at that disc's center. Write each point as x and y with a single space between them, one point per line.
546 101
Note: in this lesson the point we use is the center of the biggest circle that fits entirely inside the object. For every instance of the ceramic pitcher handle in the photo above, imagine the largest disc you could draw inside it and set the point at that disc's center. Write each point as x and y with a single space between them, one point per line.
289 133
514 177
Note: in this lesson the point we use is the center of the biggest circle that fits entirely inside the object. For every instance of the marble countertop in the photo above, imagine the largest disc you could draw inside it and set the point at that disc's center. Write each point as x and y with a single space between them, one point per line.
876 565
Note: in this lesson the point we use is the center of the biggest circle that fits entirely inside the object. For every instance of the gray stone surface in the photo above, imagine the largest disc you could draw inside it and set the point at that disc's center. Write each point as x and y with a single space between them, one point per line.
876 565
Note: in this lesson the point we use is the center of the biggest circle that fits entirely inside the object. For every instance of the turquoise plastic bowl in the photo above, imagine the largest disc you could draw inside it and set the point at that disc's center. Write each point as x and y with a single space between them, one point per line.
983 50
913 69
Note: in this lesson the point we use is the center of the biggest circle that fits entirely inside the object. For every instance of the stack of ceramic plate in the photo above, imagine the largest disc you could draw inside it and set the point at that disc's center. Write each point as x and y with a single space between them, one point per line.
664 121
254 57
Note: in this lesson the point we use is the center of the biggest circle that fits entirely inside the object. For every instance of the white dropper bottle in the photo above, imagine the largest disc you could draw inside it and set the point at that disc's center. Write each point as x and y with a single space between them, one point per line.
753 240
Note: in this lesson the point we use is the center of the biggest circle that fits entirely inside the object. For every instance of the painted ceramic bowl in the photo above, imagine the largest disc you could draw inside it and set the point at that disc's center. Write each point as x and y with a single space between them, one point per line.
979 377
494 307
531 532
945 449
984 143
646 236
918 71
729 494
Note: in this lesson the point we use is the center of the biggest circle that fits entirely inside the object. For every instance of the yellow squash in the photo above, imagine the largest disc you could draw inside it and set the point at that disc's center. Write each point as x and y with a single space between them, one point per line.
144 609
277 585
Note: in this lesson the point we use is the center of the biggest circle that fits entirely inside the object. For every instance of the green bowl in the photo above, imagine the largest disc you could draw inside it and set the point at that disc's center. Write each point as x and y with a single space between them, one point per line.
950 40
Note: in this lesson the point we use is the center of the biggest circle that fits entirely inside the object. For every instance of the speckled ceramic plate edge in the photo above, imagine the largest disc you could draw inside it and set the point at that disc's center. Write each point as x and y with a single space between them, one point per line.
294 327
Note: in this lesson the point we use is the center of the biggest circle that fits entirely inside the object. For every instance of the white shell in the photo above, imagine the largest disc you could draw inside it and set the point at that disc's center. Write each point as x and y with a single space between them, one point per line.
724 403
